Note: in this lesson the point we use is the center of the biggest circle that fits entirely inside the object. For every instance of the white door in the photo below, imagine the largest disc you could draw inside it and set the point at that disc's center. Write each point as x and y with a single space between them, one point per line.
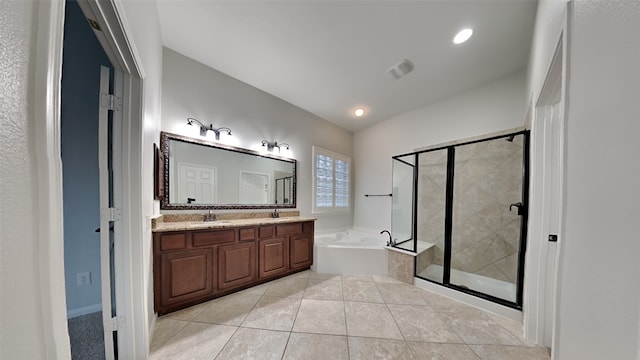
254 188
196 184
108 212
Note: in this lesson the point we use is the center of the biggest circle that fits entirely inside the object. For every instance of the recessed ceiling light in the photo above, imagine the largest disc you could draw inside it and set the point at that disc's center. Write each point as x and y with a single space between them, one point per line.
462 36
359 112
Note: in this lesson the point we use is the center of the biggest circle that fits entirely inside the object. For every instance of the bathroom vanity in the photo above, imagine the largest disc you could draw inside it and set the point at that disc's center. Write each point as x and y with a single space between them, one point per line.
196 261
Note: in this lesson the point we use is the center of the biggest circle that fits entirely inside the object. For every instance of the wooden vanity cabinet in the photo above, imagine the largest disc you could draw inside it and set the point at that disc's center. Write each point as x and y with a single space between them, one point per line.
186 275
194 266
274 256
301 255
301 245
181 274
237 265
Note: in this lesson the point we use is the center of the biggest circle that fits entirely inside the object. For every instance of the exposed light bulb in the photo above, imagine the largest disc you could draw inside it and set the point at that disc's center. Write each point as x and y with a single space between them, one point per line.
359 112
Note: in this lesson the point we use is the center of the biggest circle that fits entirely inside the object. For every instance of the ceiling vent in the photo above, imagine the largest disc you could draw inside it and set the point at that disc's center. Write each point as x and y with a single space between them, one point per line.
400 69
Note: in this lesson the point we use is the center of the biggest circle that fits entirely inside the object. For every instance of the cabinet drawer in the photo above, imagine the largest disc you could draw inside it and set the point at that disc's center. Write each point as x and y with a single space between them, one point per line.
247 234
173 241
266 231
288 229
213 237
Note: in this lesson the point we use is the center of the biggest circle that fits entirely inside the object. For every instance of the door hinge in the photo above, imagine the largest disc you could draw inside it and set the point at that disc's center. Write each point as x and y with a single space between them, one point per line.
113 323
110 102
110 214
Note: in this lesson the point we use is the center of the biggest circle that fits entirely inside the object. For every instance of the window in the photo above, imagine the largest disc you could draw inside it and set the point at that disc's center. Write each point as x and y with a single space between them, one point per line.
331 181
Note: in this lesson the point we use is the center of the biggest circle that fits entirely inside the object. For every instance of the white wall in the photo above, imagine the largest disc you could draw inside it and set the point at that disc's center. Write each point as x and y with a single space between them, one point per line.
21 320
599 294
191 89
496 106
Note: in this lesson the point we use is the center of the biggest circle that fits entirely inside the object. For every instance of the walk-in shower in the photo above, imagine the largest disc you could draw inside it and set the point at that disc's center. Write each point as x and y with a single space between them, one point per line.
463 210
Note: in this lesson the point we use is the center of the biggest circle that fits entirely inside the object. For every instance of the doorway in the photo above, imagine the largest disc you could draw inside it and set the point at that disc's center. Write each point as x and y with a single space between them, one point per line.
86 277
132 321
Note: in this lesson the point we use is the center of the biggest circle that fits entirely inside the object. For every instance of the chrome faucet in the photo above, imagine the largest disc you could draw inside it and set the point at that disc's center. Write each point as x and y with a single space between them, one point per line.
390 242
210 216
275 214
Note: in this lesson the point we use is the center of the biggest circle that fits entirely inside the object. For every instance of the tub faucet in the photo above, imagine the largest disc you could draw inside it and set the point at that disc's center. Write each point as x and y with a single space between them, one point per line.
390 242
210 216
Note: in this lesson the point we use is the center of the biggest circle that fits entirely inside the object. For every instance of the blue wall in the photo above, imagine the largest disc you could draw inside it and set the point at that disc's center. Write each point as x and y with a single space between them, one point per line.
82 58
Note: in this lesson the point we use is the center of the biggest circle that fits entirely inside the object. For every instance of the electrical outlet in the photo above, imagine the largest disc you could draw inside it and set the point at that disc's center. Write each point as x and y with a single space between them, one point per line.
83 279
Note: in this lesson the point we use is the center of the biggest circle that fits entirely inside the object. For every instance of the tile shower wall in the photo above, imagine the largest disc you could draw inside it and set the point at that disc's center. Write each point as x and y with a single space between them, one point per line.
485 234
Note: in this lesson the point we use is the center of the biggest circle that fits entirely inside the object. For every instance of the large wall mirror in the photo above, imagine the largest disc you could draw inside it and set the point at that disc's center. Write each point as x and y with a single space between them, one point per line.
199 174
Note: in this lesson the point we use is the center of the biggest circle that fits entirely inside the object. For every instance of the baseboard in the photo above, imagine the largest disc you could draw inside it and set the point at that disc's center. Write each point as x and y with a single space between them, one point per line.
83 310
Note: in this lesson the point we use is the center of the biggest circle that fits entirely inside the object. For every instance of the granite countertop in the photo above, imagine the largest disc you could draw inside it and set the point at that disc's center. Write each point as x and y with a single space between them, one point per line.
221 224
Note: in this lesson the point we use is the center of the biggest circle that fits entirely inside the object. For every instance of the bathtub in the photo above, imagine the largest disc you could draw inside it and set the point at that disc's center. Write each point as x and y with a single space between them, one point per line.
350 252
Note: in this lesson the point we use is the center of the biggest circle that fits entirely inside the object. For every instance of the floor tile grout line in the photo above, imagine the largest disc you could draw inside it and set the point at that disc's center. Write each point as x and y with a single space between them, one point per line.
395 321
284 351
346 323
175 333
226 343
253 308
295 318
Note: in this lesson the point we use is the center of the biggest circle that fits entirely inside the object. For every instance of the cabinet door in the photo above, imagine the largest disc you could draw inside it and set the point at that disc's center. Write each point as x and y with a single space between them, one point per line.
236 265
186 275
301 254
274 256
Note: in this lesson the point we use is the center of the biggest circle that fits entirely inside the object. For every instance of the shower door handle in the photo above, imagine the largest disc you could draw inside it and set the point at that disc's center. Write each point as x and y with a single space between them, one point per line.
518 206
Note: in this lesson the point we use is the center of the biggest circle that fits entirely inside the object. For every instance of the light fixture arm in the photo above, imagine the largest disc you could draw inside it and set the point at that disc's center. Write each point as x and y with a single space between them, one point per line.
204 128
270 145
218 130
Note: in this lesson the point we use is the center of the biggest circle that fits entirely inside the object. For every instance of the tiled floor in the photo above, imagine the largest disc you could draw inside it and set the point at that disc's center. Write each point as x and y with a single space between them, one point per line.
320 316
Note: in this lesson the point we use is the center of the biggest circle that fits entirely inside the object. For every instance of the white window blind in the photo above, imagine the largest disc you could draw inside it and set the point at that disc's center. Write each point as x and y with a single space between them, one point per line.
331 181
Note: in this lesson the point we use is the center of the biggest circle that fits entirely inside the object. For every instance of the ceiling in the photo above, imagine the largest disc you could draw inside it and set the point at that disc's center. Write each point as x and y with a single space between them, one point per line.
329 57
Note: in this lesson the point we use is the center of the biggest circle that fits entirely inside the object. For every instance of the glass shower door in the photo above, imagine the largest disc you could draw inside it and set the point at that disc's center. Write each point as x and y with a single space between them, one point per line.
402 202
431 208
487 216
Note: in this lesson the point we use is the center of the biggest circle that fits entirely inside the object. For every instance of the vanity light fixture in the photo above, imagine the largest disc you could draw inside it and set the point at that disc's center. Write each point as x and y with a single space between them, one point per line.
271 145
204 129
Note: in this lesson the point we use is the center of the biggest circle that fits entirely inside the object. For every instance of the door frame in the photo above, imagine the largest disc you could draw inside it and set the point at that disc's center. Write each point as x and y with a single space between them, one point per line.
543 258
130 285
